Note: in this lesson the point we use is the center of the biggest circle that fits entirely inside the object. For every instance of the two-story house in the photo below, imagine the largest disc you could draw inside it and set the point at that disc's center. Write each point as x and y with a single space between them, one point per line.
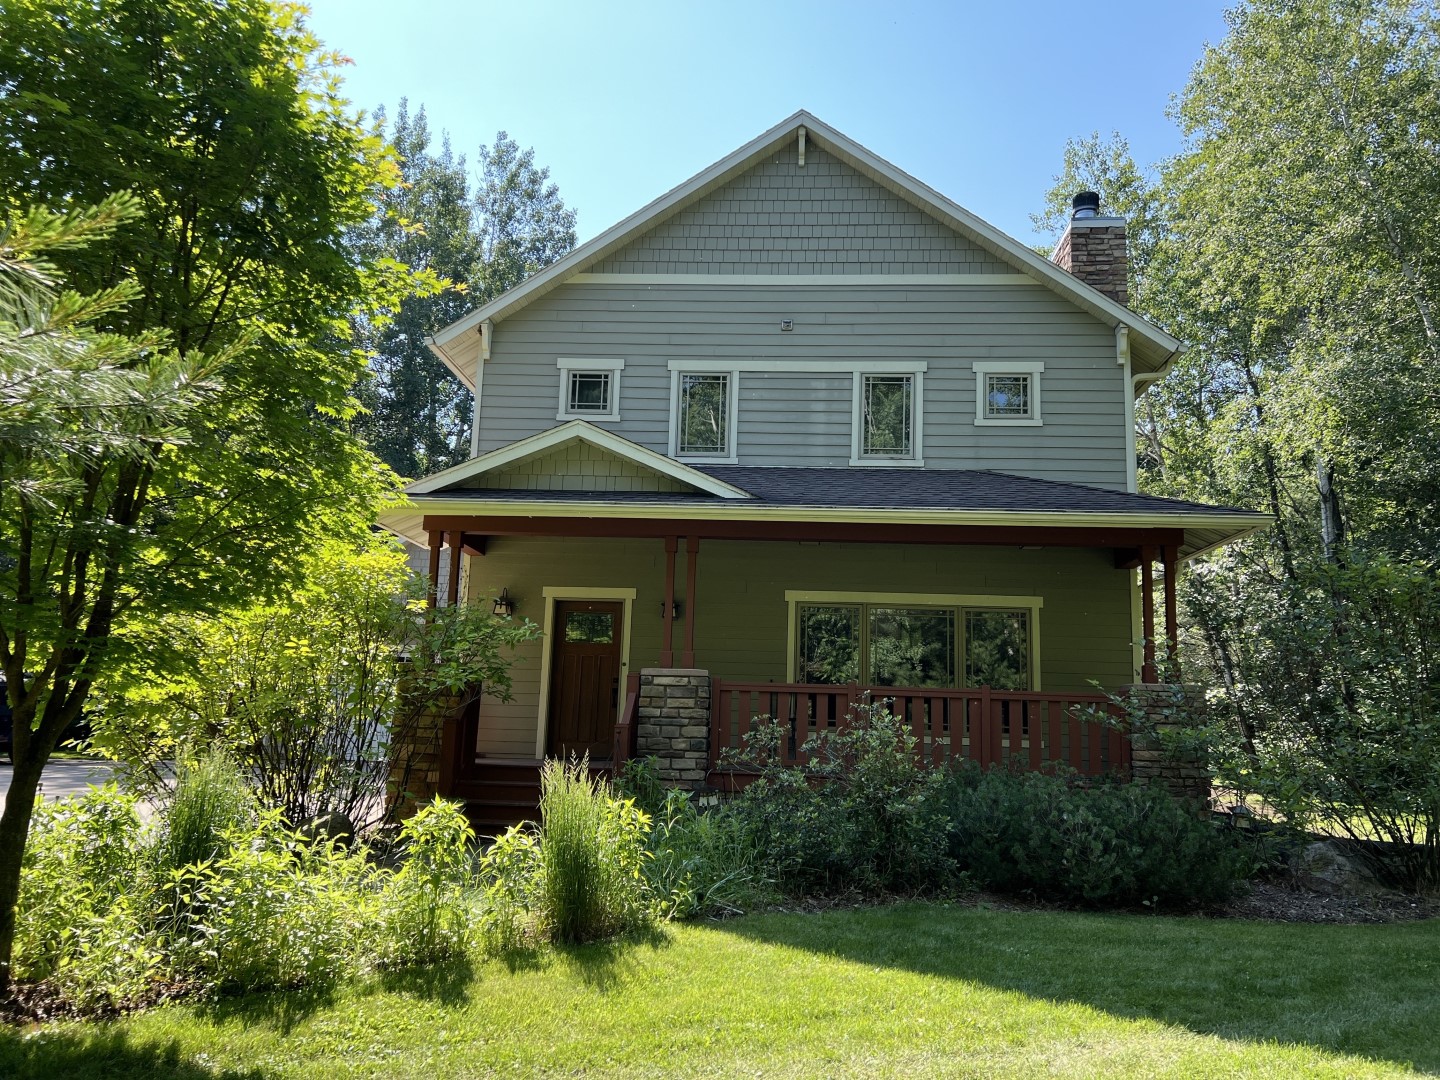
799 428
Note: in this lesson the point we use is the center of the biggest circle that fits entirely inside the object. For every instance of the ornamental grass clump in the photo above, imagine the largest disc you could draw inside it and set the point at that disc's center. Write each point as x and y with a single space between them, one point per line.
592 855
210 798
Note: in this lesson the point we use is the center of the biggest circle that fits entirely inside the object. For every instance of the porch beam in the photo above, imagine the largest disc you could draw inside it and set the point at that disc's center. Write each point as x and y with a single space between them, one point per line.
1147 612
452 586
432 592
474 545
692 557
853 532
667 614
1170 560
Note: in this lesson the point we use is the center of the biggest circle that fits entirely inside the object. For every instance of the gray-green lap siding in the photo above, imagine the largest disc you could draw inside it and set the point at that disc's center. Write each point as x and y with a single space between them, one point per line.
787 417
742 617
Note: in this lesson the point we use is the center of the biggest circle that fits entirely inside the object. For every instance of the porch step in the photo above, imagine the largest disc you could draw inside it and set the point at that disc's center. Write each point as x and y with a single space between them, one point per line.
500 792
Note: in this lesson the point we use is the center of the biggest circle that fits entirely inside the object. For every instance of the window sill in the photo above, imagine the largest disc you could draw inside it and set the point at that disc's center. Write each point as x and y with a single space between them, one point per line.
995 421
887 463
692 459
607 418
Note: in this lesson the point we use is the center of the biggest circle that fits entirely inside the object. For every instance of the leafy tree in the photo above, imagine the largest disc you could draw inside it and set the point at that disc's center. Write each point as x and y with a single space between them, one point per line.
418 414
234 286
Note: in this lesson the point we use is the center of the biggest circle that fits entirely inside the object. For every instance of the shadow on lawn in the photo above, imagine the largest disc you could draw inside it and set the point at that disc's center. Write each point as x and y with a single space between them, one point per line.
607 965
280 1009
51 1054
1364 990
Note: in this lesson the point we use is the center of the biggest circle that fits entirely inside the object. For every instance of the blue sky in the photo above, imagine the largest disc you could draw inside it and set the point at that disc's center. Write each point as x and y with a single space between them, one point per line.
625 100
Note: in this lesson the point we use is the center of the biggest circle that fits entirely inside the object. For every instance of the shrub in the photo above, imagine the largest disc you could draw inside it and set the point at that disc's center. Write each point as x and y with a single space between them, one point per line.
210 799
275 910
427 906
592 849
1099 844
510 876
859 817
701 862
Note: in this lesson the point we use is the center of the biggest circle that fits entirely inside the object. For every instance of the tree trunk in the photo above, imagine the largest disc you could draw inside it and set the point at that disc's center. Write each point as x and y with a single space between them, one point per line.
1332 526
14 832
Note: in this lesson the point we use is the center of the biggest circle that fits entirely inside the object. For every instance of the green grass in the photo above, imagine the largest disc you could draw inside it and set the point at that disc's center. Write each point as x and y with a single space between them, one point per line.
915 990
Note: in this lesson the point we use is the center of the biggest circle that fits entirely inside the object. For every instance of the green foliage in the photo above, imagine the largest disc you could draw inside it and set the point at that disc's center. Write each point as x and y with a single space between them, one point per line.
428 908
859 817
510 873
320 695
209 800
702 862
1099 844
592 856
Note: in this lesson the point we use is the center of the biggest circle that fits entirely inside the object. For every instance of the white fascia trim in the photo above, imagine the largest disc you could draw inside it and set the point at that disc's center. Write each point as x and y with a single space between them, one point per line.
857 156
1033 368
772 280
859 459
814 367
701 367
557 436
582 365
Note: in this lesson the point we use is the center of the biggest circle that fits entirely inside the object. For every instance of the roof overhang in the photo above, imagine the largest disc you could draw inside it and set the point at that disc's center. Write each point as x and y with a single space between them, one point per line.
458 344
1201 532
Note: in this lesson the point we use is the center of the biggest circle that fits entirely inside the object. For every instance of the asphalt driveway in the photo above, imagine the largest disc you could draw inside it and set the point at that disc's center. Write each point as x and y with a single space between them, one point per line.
62 778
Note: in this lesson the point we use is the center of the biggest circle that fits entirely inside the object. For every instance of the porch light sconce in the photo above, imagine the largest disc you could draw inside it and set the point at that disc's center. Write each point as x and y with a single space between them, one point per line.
504 606
675 609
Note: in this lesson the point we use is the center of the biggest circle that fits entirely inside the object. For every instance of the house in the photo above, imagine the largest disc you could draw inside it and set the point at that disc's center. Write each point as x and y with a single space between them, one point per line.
798 429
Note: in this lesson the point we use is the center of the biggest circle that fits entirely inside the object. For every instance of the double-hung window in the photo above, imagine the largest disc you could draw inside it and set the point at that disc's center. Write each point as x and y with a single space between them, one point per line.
887 415
702 422
1007 392
589 388
940 642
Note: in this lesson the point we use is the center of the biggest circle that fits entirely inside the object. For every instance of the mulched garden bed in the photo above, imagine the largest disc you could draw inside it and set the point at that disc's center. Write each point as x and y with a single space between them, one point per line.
1278 903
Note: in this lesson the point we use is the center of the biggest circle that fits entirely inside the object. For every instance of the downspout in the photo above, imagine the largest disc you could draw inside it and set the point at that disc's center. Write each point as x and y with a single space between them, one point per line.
487 335
1122 357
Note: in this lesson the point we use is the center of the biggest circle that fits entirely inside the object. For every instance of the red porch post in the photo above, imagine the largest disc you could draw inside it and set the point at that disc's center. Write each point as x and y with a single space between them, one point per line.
667 615
452 586
1147 613
1170 561
692 556
437 540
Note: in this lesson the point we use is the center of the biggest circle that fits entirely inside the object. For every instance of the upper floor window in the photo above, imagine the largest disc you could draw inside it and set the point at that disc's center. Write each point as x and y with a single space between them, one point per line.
589 389
1008 392
703 415
887 419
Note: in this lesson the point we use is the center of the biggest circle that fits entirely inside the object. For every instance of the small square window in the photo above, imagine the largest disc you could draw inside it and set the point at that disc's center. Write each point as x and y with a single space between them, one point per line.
1008 392
589 389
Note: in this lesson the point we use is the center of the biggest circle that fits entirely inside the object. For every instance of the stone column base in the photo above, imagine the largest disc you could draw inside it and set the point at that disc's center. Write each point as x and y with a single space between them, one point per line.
1165 707
673 725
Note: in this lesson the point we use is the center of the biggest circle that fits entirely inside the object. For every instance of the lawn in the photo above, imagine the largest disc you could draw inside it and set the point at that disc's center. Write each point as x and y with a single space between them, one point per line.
909 990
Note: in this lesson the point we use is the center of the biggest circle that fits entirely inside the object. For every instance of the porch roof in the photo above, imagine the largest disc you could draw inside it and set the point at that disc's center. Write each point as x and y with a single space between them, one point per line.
876 495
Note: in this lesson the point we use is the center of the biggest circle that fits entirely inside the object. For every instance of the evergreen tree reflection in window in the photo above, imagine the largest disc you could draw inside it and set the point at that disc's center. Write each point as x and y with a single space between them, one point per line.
889 408
912 647
997 649
591 627
704 414
829 644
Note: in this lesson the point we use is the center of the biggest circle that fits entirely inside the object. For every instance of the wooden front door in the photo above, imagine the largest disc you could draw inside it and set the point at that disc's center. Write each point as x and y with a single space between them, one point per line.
584 678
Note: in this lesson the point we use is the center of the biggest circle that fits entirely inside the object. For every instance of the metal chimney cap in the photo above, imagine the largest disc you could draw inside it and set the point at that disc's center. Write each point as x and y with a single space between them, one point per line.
1086 204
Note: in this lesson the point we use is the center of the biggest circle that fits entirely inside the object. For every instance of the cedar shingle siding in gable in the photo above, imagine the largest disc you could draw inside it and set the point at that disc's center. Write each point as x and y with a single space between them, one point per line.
577 466
778 218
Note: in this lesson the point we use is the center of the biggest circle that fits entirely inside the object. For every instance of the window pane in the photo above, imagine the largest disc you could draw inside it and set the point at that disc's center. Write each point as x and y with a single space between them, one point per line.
997 649
590 391
912 647
595 627
1007 395
704 419
889 407
829 644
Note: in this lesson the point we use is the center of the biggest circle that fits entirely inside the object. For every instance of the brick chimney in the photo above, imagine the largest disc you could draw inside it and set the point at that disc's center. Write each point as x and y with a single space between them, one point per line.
1093 248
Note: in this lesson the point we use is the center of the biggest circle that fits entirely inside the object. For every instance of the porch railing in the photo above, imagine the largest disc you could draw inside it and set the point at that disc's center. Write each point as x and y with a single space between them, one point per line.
624 746
981 725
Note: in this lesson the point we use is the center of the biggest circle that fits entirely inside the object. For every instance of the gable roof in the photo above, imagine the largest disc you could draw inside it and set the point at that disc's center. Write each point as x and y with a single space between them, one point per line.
573 431
1151 348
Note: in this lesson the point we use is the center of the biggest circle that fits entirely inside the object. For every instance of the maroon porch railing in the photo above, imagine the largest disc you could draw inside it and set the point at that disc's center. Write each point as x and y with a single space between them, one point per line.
624 745
981 725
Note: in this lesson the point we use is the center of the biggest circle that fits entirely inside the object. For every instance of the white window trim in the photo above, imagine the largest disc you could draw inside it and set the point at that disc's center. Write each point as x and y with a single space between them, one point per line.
1032 368
916 458
794 598
582 365
699 367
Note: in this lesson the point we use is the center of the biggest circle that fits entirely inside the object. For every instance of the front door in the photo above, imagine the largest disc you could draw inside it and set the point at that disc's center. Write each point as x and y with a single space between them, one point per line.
584 678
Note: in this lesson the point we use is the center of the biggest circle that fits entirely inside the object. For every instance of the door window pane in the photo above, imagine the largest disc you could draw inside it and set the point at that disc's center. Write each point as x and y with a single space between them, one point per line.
704 414
912 647
997 649
889 409
592 627
829 644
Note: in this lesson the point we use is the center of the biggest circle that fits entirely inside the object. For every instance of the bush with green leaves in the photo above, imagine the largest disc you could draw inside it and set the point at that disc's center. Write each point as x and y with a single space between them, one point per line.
210 798
592 856
510 872
427 907
702 861
1097 843
858 817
